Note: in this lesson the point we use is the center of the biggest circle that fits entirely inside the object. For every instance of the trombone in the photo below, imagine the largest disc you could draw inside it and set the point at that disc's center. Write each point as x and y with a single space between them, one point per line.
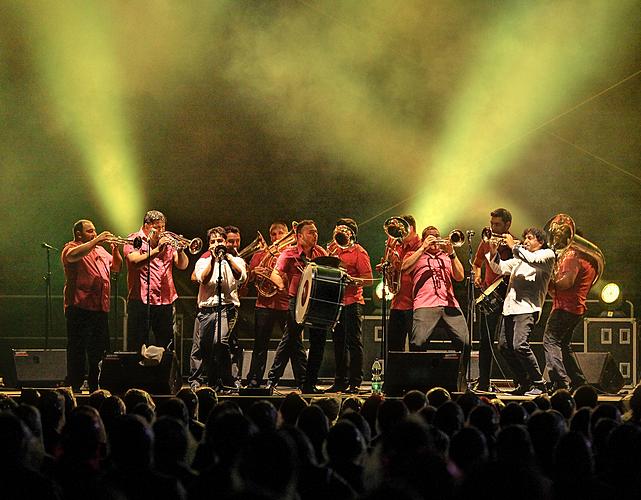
259 244
179 242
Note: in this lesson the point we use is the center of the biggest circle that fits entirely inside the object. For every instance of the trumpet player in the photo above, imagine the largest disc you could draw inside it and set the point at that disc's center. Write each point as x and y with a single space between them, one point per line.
484 276
233 247
347 336
530 270
210 360
87 266
433 267
269 310
152 293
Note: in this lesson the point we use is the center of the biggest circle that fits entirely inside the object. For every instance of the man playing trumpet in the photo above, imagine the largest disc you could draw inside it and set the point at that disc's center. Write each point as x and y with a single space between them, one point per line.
150 280
87 267
219 273
433 267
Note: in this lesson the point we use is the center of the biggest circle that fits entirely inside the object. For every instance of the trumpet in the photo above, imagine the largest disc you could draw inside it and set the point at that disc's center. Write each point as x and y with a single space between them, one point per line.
118 240
179 242
456 238
487 235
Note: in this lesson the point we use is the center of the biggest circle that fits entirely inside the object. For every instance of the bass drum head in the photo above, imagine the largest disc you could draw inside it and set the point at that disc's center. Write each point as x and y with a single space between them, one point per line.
304 293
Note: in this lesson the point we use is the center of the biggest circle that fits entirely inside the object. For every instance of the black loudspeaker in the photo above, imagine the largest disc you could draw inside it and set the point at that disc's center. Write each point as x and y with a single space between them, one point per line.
40 367
601 371
122 370
406 371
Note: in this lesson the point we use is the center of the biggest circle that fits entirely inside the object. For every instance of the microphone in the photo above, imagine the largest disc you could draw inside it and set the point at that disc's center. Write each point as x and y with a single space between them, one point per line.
470 232
220 251
48 246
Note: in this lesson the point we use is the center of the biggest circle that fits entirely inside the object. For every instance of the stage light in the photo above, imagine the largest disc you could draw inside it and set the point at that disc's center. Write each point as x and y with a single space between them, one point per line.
610 293
378 292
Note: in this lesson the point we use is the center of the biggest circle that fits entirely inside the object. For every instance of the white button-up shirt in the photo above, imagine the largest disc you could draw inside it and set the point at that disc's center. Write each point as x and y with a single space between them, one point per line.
529 273
208 292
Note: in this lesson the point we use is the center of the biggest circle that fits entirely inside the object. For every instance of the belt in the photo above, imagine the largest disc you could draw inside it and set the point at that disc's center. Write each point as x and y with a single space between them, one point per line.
215 308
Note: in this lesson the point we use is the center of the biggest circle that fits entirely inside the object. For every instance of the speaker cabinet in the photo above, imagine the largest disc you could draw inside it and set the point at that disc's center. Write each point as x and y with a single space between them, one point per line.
420 370
40 367
601 371
122 370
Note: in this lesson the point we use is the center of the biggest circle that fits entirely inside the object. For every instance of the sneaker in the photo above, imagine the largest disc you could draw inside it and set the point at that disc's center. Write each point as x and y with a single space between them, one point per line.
337 388
536 390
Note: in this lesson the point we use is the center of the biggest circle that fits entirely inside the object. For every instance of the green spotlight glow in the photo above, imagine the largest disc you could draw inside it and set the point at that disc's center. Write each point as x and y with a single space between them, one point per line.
75 57
534 63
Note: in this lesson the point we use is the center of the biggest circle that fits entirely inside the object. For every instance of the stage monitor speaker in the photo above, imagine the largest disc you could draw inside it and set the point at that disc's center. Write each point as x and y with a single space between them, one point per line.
601 371
122 370
406 371
40 367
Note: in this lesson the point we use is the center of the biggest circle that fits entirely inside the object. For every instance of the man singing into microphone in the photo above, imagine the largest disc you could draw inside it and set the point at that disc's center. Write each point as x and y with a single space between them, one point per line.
158 254
87 291
219 274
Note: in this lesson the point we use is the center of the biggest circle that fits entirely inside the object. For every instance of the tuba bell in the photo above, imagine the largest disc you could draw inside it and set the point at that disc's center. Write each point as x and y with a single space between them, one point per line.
561 236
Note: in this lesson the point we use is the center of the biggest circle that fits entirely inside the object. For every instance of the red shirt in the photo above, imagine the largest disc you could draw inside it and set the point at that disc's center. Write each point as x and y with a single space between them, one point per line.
404 300
573 299
161 280
280 301
479 260
432 283
291 263
87 281
355 260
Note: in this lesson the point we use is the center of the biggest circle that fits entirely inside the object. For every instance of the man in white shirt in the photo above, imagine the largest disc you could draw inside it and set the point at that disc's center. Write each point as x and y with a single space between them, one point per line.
530 270
219 275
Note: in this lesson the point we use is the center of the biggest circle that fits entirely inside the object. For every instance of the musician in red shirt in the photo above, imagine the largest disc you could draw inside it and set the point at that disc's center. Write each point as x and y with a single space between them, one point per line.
348 332
87 268
500 222
569 286
289 269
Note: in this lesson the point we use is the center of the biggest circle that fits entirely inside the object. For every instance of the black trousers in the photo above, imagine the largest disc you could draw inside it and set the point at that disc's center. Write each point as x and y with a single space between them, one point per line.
348 346
87 341
487 331
399 328
563 368
212 350
264 320
291 348
161 321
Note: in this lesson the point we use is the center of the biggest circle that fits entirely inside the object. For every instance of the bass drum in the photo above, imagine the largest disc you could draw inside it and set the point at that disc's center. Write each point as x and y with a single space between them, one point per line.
491 300
320 296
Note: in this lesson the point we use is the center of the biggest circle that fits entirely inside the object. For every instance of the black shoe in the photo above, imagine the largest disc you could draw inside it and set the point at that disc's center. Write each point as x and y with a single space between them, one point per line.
252 384
337 388
353 389
271 384
520 390
311 389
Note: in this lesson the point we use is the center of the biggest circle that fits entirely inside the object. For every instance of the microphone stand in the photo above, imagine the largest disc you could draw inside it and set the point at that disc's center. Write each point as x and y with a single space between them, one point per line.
48 305
219 317
471 307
